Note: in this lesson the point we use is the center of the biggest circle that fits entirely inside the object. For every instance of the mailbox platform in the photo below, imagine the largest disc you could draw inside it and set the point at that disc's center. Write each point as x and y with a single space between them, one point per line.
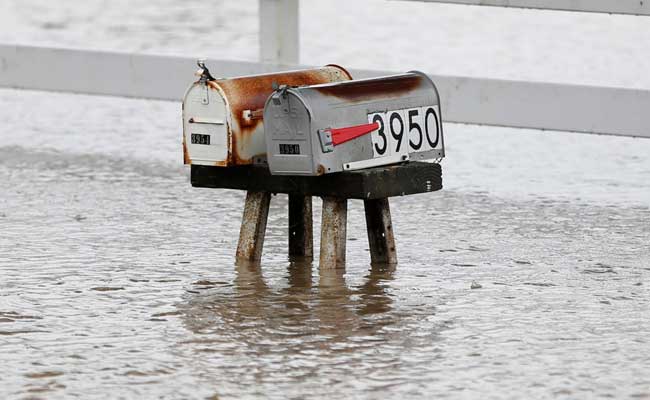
374 186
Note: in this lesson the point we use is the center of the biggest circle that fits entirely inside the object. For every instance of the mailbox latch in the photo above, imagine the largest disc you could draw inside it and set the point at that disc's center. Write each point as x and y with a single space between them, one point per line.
279 94
249 115
204 76
203 72
326 142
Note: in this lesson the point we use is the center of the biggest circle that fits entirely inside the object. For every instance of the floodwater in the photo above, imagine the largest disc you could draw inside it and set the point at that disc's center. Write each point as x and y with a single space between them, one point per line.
117 278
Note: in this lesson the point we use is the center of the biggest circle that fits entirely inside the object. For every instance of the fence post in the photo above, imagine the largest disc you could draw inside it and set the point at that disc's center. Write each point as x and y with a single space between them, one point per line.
279 32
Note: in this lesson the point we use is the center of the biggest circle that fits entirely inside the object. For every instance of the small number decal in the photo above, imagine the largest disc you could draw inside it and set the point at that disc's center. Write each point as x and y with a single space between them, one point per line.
379 139
431 126
396 123
415 140
198 138
287 148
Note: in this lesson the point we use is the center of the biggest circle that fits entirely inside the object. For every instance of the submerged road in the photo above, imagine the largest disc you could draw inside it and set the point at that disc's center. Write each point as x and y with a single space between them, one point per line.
527 276
118 277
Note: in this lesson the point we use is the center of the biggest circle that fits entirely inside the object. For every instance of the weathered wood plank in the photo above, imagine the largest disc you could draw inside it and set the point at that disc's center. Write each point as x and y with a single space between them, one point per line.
301 236
253 226
333 233
373 183
380 232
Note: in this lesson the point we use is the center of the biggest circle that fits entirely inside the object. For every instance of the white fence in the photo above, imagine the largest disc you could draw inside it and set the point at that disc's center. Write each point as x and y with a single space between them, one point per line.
521 104
634 7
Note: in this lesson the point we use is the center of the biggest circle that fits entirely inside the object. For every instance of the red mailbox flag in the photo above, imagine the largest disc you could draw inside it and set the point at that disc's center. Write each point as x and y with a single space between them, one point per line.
342 135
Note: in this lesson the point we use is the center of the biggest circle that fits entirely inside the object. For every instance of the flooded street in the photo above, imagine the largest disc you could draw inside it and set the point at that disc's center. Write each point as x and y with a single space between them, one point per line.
527 276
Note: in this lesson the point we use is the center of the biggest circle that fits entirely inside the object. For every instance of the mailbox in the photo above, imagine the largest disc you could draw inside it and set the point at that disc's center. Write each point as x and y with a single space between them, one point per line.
326 128
222 118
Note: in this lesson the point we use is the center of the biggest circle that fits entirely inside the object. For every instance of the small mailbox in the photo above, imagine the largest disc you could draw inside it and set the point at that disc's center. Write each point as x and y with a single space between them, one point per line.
326 128
222 118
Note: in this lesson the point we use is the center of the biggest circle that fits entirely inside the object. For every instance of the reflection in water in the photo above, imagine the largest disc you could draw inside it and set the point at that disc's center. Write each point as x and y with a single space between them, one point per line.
304 328
251 307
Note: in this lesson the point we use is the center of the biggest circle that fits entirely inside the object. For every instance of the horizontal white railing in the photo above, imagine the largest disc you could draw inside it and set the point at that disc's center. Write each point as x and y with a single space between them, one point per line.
634 7
519 104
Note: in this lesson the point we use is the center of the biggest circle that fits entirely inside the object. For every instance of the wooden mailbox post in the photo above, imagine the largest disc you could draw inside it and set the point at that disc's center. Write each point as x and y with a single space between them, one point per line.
374 186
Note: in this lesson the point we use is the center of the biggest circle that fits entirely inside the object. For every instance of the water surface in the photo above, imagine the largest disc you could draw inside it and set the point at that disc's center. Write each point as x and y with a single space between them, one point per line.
117 278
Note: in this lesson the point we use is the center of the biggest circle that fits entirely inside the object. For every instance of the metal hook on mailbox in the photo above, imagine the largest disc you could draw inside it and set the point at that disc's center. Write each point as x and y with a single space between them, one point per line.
280 92
203 71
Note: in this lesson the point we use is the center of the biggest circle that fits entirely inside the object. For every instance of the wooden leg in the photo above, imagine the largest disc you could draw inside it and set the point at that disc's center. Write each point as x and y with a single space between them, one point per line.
299 275
253 226
380 232
333 232
301 237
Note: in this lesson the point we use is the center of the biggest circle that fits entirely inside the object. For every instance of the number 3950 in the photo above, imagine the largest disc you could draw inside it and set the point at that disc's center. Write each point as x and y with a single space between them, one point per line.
405 131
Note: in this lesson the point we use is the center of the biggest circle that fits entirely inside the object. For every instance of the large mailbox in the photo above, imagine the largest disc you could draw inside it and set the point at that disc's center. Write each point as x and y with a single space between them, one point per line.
222 118
326 128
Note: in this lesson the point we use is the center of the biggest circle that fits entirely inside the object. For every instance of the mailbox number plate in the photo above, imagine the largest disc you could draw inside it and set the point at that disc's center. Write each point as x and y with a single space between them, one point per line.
409 130
198 138
289 148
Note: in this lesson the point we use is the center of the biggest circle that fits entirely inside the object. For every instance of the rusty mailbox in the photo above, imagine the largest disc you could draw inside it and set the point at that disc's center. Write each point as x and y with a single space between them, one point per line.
326 128
222 118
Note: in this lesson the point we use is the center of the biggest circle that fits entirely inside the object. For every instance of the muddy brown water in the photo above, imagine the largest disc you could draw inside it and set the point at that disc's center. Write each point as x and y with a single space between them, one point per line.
527 277
118 278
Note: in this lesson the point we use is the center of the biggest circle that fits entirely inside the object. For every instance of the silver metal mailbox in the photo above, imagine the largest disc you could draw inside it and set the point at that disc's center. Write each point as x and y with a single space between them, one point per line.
326 128
222 118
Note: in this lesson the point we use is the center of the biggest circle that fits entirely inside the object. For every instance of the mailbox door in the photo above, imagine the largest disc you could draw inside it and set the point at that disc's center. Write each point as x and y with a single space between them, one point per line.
289 147
205 133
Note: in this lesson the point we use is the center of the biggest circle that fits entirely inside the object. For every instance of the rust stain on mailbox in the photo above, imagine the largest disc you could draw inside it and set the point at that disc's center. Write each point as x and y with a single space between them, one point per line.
222 118
373 89
186 155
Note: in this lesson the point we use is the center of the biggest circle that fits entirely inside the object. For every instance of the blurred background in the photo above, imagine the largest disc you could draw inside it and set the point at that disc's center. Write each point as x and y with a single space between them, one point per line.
446 39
